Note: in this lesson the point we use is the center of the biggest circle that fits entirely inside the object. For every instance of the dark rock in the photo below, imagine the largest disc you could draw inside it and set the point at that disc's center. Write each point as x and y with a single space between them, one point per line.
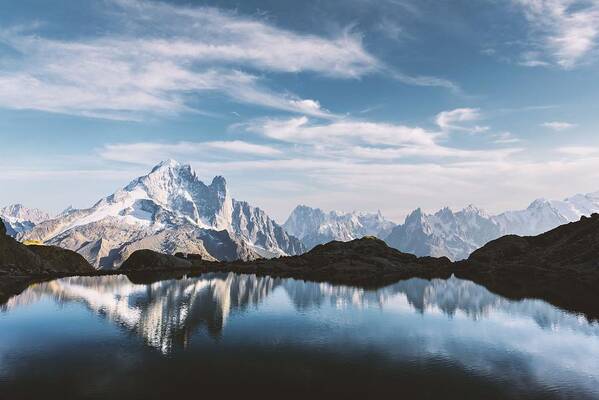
368 261
17 259
149 260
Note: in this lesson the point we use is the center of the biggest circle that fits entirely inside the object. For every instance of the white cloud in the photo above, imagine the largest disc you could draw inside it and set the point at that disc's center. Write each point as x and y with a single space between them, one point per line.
579 151
423 80
368 165
459 119
365 141
565 29
158 55
301 130
505 138
558 125
166 54
207 35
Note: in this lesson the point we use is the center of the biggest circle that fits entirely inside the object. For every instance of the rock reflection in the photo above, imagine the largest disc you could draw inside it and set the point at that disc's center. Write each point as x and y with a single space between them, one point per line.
167 313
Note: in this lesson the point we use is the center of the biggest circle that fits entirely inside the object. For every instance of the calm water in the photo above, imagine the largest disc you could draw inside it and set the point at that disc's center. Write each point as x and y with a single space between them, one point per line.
259 337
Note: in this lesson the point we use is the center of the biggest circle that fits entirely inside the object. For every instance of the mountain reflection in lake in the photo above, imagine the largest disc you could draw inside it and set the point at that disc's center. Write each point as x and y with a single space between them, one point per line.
422 337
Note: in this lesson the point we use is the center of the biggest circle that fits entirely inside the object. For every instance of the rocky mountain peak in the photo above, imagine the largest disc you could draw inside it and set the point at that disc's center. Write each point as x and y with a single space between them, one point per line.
415 217
18 212
314 226
471 209
219 184
539 203
170 209
166 164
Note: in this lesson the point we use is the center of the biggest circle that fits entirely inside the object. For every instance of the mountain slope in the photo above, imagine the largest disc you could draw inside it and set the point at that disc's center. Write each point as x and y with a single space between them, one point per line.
268 238
168 210
18 218
313 226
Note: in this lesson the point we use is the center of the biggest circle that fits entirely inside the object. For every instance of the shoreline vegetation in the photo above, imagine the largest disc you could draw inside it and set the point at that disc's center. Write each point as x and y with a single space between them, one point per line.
560 266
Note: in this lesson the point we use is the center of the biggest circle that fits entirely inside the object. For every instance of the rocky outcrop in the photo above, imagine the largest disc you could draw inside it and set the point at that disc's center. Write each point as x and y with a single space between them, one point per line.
367 261
17 259
570 247
149 260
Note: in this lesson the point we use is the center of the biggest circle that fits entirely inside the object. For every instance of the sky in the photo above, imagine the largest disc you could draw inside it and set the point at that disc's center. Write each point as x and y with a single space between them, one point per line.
350 105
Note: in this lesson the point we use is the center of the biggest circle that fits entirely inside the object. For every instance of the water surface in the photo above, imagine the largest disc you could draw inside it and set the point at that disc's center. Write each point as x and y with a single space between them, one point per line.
232 334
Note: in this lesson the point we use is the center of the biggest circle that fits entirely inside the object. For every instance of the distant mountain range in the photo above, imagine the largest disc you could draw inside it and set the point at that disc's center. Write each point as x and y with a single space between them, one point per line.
457 234
314 226
170 210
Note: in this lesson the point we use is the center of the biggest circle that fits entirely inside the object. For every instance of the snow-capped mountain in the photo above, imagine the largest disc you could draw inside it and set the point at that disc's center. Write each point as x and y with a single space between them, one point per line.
456 235
18 218
445 233
313 226
169 210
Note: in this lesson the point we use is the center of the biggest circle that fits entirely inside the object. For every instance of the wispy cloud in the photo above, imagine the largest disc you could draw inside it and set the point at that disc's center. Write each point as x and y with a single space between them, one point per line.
157 57
505 138
460 119
423 80
166 54
558 125
579 151
301 130
365 141
563 31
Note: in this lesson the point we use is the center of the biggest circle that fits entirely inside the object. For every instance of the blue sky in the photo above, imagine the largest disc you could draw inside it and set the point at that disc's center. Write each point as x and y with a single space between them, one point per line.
353 104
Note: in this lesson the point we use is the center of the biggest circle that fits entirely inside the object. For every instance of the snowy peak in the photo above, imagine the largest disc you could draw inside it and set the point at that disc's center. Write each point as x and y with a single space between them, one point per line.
457 234
444 233
268 238
18 218
177 188
18 212
314 226
169 210
414 218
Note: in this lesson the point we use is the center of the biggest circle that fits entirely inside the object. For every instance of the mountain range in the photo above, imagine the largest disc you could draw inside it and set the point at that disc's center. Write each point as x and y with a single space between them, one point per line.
457 234
169 210
314 226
